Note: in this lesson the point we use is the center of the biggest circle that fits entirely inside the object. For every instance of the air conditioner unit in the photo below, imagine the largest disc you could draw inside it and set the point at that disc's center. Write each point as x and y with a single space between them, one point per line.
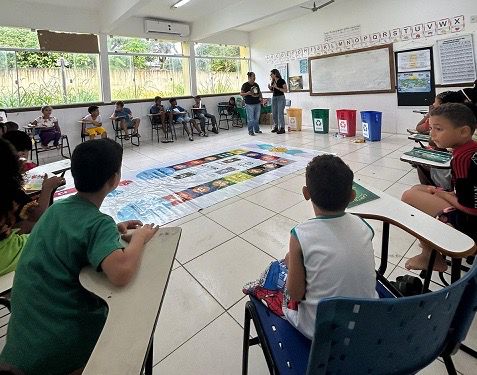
166 27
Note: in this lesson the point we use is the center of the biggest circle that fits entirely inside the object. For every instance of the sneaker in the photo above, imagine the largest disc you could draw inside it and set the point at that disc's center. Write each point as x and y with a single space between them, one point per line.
205 135
190 138
274 130
251 133
281 131
215 131
258 132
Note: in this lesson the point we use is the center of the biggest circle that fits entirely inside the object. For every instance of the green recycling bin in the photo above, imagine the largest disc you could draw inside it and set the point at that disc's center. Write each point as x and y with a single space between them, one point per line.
321 120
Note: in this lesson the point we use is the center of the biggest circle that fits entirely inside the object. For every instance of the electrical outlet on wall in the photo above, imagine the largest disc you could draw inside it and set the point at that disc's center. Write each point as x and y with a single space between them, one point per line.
473 19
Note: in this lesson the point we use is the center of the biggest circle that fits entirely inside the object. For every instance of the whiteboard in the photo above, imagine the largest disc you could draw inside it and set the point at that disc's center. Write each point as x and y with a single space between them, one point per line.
363 71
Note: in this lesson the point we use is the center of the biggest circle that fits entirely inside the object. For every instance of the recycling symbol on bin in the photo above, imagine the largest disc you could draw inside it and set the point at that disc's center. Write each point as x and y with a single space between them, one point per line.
365 129
318 124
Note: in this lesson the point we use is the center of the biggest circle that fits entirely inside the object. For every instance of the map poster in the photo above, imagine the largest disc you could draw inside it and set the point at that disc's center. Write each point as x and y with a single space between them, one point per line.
414 82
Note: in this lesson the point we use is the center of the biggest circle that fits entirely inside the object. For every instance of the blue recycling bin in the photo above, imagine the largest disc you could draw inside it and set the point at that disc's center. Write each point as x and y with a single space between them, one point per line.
371 125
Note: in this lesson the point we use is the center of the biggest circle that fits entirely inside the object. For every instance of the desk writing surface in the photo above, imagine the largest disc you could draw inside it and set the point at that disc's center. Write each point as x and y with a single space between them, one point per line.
430 155
6 282
133 309
435 159
433 232
50 168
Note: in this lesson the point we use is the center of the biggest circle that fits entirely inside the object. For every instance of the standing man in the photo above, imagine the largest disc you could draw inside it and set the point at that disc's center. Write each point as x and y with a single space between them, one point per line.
252 96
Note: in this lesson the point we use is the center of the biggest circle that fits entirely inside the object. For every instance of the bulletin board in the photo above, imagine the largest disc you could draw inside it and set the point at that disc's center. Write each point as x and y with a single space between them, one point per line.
298 78
362 71
415 77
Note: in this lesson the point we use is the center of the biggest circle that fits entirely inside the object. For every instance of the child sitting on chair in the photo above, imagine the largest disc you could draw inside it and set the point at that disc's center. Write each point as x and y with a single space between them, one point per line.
451 126
11 242
329 255
94 124
231 106
55 322
180 115
202 115
158 110
22 143
125 118
48 127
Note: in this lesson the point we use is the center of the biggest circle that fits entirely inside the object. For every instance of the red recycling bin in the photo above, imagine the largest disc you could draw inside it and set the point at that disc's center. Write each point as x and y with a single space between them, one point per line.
346 122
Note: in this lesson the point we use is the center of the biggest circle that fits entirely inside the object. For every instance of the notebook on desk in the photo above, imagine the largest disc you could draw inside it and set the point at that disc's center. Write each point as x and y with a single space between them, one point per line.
430 155
363 195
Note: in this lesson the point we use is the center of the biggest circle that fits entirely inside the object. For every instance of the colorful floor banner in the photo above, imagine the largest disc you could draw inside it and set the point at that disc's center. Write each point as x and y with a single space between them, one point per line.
165 193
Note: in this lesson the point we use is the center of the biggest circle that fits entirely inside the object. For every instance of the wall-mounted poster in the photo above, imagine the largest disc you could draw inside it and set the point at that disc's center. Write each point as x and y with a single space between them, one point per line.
304 66
415 77
457 61
295 83
411 61
283 69
414 82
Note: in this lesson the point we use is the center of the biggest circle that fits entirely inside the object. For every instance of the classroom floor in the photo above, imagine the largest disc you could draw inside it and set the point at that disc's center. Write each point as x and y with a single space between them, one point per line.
226 245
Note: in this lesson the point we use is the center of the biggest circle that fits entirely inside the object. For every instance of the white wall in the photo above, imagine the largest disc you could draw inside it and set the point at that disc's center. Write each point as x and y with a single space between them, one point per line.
373 16
68 117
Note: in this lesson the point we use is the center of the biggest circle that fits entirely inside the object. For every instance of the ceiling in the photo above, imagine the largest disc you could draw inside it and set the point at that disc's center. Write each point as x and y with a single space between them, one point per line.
206 17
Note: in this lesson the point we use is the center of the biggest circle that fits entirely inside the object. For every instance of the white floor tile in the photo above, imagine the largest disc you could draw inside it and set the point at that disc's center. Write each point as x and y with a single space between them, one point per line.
275 198
224 270
187 308
215 350
240 216
376 183
294 184
271 236
200 235
382 172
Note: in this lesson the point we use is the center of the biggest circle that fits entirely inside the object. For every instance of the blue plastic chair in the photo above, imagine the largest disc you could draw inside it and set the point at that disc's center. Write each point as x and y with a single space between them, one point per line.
368 336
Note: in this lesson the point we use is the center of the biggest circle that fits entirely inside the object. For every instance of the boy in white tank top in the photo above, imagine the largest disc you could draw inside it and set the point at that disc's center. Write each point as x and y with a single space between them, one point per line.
329 255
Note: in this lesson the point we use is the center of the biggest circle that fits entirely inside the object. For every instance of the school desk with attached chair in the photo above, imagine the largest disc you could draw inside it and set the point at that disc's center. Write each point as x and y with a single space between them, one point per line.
34 130
155 120
428 158
389 210
125 345
434 233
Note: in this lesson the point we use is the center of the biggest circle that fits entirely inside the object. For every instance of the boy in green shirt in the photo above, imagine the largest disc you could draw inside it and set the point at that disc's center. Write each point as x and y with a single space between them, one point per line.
55 322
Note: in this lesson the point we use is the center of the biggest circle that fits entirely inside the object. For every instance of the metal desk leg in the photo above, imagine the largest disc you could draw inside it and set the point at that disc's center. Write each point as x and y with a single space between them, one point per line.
384 249
149 360
430 269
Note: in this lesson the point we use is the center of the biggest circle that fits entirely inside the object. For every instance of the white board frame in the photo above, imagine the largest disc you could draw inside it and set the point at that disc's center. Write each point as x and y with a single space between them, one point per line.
386 64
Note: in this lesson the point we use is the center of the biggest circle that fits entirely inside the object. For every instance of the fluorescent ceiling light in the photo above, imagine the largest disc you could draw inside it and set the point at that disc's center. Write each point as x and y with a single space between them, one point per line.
180 3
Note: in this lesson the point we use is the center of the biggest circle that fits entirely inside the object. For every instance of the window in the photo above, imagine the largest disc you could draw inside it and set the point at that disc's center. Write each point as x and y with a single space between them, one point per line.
30 77
144 68
220 68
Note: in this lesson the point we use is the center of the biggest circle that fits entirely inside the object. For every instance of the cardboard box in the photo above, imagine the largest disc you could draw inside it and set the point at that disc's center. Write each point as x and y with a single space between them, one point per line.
266 119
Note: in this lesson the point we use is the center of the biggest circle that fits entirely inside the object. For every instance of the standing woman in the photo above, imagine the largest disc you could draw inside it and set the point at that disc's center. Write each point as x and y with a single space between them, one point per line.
252 95
279 88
